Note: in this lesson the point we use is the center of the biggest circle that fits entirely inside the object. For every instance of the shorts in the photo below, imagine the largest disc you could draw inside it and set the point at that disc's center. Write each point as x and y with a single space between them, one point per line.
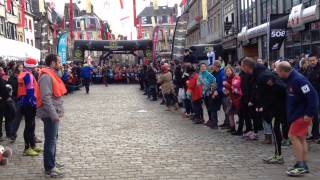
299 127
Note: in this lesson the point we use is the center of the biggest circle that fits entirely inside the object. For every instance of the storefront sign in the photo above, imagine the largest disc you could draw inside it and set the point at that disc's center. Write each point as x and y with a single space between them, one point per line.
297 20
295 17
278 30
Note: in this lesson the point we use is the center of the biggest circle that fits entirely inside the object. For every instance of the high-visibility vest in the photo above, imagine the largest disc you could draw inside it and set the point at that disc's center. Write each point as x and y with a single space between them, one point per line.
58 87
22 89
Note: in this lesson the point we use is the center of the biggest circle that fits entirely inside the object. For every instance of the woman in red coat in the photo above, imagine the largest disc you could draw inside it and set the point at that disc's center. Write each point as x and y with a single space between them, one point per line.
194 92
232 89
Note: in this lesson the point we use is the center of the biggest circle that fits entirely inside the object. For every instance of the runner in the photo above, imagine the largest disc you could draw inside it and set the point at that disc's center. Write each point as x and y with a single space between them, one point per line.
302 107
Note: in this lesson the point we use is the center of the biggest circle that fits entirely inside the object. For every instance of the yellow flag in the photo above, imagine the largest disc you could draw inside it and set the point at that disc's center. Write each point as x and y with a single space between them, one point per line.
153 20
204 10
155 5
41 6
88 6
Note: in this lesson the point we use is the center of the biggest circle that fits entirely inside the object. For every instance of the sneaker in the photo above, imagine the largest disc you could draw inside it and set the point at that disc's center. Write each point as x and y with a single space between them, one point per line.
54 173
286 143
37 149
30 152
37 140
274 160
297 166
296 172
59 166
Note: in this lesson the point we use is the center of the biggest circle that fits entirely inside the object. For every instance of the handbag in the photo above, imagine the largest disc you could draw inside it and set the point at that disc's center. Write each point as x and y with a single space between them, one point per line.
181 95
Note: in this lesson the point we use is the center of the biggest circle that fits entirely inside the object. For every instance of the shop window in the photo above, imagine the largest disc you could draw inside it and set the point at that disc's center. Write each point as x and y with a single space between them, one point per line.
315 35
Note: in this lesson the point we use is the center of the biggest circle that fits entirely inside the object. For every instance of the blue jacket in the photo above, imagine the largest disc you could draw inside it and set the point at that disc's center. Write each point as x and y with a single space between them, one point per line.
220 77
302 98
85 72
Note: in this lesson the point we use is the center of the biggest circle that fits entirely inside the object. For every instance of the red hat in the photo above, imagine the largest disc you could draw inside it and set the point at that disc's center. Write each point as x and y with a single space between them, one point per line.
30 63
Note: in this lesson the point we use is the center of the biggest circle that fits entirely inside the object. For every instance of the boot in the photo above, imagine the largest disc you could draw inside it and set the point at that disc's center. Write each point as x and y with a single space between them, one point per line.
267 139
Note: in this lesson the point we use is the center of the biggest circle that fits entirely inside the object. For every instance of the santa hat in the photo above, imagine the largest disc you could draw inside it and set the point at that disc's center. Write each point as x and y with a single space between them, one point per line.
30 63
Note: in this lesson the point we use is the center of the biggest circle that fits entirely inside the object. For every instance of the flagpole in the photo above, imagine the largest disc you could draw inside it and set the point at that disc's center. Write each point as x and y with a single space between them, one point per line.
268 41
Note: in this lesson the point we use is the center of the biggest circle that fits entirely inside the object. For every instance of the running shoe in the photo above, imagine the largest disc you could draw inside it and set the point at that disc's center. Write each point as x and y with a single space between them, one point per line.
274 160
30 152
296 172
54 173
286 143
37 149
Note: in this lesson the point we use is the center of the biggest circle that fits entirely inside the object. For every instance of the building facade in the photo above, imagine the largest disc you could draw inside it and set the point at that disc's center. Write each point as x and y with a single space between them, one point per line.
29 34
9 19
163 18
302 33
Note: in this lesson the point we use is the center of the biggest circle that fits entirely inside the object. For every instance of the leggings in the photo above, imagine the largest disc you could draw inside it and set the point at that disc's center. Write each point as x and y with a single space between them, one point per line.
280 120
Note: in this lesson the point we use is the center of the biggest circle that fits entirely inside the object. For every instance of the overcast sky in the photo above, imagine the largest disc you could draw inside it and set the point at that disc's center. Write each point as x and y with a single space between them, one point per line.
111 11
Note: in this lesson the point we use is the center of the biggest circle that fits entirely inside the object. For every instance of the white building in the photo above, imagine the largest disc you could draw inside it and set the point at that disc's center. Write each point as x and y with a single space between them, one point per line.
29 31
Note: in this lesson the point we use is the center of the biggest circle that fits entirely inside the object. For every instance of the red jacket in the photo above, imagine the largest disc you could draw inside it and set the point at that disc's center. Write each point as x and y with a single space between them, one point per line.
233 87
194 88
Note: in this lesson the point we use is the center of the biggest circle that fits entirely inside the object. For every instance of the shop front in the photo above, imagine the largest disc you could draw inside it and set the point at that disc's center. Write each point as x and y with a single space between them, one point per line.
302 34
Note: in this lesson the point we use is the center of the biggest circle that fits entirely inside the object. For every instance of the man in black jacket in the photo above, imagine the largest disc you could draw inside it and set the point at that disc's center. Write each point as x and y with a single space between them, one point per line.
152 83
313 75
4 96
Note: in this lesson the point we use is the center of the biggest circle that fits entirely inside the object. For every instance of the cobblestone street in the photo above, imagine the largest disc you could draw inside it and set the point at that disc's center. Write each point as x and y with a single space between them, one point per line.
116 133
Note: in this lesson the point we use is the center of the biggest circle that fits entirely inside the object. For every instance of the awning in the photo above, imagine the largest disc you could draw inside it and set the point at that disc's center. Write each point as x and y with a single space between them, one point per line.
16 50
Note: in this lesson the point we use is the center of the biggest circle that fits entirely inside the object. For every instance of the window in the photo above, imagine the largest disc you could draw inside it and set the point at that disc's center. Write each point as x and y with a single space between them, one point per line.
78 24
30 25
31 42
27 41
26 23
2 26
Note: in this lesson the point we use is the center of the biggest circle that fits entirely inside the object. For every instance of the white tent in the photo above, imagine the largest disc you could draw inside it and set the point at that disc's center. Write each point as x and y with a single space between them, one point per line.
16 50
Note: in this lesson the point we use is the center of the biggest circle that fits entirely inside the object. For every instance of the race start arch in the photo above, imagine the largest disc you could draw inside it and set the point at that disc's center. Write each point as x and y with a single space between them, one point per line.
111 47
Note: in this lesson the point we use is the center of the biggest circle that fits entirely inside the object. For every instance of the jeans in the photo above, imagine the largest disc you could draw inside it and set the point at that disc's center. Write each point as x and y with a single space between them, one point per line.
8 120
86 83
315 127
207 102
29 113
50 141
187 106
17 120
197 109
152 92
214 118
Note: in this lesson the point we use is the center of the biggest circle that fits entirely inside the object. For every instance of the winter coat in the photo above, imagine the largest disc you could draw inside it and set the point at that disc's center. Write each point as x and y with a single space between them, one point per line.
194 87
165 80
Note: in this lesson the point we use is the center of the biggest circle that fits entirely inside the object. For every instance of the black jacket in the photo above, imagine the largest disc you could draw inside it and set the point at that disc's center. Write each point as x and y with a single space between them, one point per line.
151 77
178 78
4 94
313 75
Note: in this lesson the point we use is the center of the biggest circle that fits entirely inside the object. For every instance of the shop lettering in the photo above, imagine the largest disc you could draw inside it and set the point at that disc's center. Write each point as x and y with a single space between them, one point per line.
278 33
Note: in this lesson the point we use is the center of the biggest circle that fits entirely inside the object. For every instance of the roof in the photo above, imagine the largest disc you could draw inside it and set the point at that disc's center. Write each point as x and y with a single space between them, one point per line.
162 11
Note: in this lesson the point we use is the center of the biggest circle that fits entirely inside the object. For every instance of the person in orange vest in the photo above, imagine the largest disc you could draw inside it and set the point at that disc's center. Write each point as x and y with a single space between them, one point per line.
28 95
50 110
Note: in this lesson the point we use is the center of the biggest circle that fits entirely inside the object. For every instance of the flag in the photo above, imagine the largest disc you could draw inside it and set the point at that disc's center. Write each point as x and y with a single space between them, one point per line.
204 10
88 6
153 20
134 13
88 35
9 6
155 5
101 30
184 2
62 23
22 14
171 19
41 6
140 28
121 4
71 19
